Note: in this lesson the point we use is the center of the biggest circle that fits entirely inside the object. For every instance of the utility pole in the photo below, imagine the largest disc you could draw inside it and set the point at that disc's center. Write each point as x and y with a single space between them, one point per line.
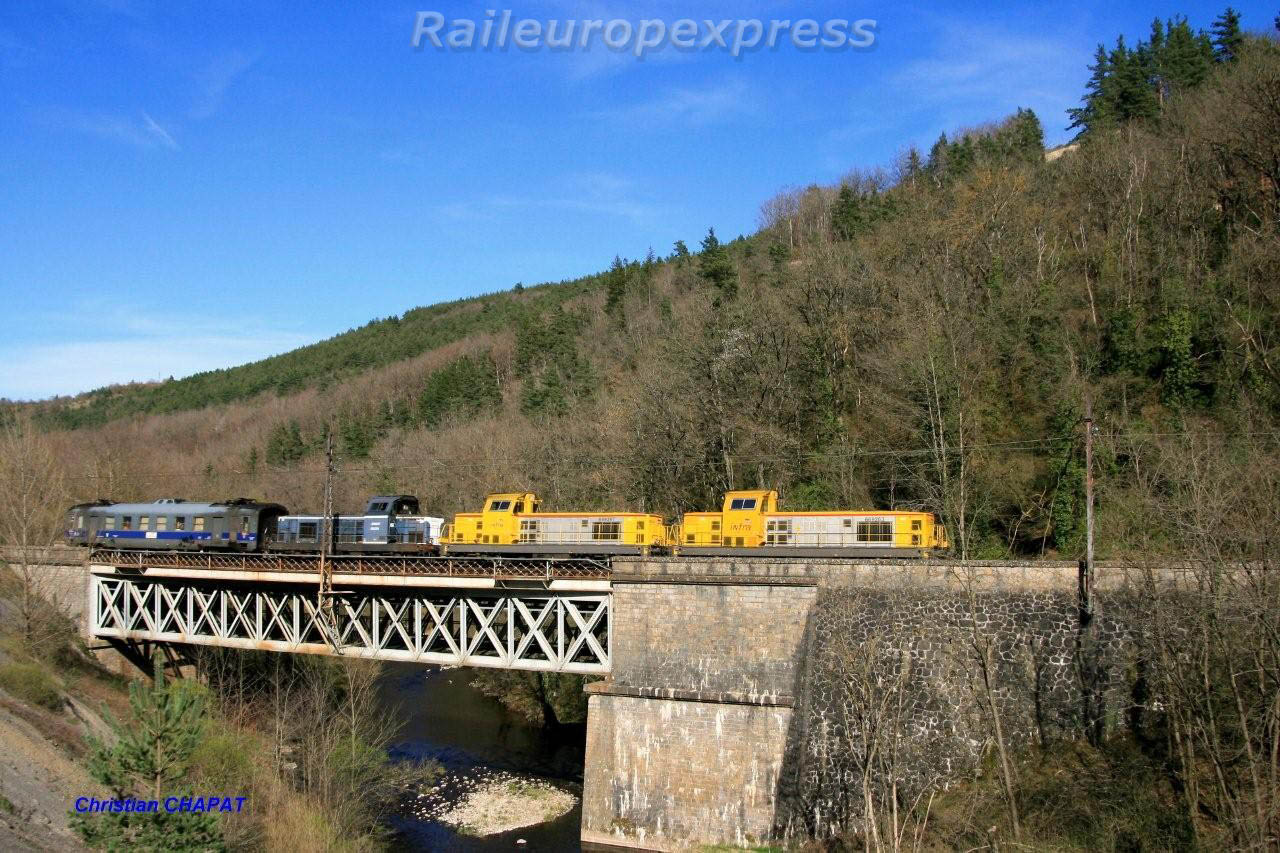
324 598
1088 506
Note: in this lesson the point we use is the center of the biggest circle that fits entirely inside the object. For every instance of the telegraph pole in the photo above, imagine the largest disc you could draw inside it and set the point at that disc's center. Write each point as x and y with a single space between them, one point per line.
324 599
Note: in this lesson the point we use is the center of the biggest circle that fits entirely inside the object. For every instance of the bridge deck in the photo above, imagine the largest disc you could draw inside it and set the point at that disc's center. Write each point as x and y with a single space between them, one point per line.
502 568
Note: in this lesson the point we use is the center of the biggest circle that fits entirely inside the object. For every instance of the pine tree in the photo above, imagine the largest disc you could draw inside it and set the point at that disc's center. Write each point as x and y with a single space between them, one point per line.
285 445
715 267
681 252
938 157
1184 61
1025 136
1228 38
914 165
150 758
1131 94
1096 111
616 280
846 215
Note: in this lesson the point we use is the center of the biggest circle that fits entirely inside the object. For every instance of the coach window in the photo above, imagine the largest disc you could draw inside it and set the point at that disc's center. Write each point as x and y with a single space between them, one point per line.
109 523
197 523
144 522
179 522
162 522
126 522
244 524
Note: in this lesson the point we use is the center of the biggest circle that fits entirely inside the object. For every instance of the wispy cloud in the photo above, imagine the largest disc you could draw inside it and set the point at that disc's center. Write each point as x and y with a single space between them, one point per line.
159 132
216 78
683 106
981 65
137 350
141 132
591 193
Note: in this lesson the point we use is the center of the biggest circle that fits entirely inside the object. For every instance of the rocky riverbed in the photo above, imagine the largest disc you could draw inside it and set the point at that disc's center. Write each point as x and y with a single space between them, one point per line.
484 803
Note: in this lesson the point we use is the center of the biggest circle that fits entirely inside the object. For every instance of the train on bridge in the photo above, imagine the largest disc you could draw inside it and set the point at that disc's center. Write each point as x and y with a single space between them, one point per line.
749 523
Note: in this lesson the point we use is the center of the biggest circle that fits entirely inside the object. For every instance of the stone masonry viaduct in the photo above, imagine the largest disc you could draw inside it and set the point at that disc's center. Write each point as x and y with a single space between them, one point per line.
703 730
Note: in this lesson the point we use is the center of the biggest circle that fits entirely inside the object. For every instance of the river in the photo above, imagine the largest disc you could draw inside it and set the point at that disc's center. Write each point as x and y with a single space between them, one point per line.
472 735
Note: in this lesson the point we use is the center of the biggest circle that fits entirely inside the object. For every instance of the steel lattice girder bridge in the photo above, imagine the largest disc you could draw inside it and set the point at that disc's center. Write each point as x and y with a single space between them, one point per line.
466 619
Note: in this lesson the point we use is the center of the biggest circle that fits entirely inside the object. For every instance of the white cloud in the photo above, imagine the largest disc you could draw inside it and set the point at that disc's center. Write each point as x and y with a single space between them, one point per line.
991 67
689 106
143 132
593 193
159 132
216 78
34 371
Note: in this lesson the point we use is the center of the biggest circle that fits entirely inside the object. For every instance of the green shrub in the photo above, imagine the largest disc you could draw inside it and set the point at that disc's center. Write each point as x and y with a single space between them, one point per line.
223 760
31 683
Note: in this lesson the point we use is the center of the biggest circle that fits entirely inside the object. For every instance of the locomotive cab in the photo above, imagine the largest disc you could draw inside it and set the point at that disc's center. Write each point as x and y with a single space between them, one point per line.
739 524
497 522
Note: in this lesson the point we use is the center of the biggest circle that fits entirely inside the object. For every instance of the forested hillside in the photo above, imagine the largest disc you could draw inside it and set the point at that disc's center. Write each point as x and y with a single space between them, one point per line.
920 335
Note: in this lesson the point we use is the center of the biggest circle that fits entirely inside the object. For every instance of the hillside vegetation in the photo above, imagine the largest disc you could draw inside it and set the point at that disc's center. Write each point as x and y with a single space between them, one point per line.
922 335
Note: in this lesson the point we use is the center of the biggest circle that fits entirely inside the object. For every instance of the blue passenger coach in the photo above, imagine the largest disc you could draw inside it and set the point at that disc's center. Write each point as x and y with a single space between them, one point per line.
169 523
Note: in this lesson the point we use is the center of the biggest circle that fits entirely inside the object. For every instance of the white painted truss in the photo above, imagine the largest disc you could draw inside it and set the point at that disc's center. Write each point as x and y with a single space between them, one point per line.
502 628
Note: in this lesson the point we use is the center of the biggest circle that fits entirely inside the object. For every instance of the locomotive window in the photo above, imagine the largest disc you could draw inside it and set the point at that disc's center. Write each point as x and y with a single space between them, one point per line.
381 506
875 531
306 530
179 522
915 524
519 507
607 531
197 523
499 506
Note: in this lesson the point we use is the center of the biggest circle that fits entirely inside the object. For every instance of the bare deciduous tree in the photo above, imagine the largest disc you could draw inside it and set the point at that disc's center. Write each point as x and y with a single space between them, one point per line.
33 498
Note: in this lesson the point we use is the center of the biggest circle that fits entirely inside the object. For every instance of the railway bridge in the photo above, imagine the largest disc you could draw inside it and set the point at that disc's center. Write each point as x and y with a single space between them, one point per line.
510 613
709 724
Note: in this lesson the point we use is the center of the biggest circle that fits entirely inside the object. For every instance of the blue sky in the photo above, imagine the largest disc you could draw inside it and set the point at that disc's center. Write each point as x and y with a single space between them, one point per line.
193 185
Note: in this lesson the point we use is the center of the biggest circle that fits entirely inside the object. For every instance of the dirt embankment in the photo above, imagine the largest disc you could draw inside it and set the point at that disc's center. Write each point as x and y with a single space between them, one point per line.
39 781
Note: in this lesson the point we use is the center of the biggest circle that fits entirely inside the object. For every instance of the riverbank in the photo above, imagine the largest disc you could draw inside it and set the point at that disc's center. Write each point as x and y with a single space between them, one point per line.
481 745
481 804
